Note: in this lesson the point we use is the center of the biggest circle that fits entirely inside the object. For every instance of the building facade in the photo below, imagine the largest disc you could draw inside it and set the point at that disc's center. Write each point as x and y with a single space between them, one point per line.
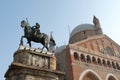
90 54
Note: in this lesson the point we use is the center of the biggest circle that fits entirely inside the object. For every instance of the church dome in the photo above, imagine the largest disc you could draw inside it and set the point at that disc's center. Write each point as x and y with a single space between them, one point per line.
84 31
82 27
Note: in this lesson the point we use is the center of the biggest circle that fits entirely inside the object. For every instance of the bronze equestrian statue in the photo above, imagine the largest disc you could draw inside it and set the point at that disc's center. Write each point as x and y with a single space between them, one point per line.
34 34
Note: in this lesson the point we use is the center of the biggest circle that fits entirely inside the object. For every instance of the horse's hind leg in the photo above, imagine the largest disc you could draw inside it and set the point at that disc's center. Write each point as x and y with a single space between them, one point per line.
42 49
47 48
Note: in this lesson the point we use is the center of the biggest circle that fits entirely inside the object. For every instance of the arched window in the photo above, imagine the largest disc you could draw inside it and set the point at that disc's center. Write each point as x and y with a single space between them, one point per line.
94 60
99 61
88 59
104 63
117 65
76 56
113 65
82 57
108 64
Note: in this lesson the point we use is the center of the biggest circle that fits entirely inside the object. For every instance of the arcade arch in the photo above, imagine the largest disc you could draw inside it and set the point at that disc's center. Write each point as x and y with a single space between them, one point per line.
89 74
111 77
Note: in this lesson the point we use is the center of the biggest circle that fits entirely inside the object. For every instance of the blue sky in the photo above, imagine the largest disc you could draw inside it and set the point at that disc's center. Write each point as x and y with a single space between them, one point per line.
55 16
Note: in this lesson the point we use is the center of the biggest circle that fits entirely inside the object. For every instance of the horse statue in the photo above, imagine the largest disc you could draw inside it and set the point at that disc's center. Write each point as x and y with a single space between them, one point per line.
42 38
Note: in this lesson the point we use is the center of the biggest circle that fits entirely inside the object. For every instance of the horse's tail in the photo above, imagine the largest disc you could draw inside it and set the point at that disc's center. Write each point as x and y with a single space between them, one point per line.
52 40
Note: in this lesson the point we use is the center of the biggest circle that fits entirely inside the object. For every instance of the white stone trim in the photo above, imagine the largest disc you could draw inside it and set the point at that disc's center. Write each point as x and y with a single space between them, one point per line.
86 71
110 74
23 47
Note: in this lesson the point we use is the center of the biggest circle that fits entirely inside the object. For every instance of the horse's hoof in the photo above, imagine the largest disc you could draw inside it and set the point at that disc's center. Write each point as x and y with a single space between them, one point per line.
45 52
20 44
41 51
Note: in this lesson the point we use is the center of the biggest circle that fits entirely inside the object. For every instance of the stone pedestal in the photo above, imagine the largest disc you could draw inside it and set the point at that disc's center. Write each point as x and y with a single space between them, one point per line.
33 64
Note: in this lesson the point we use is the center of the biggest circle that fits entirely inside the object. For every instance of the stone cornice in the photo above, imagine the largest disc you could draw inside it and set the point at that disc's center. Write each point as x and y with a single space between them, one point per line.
19 68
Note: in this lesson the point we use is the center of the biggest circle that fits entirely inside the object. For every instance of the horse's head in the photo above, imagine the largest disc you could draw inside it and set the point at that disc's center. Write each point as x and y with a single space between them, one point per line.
24 24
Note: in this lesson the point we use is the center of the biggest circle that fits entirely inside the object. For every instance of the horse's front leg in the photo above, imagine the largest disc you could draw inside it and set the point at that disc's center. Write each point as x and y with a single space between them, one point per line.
21 41
29 42
43 48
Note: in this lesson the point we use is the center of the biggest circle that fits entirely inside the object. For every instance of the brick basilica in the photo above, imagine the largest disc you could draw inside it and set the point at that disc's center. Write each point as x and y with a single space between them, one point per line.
90 54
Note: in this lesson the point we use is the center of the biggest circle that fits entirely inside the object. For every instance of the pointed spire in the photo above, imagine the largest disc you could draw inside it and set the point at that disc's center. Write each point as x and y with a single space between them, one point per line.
96 20
51 37
52 43
97 25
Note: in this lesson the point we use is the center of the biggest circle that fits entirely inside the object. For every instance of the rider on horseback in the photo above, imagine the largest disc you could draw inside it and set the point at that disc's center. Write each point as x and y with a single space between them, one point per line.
36 29
33 34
